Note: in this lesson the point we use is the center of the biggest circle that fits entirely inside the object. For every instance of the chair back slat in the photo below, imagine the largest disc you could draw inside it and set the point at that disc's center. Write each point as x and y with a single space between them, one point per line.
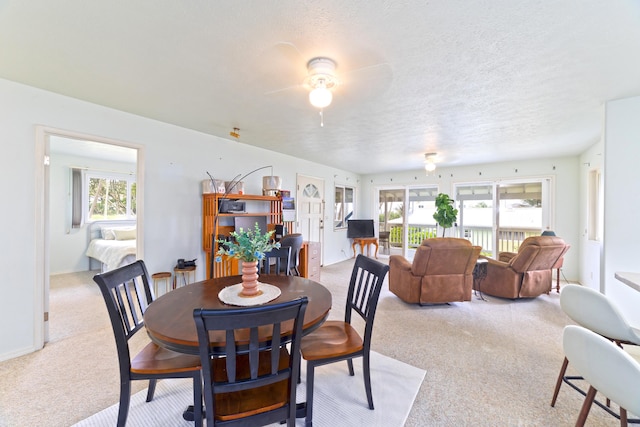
230 347
127 295
364 291
246 356
135 307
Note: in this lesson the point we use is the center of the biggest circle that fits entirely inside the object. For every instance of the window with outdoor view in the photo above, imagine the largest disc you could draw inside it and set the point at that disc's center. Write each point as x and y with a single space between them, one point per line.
110 196
343 207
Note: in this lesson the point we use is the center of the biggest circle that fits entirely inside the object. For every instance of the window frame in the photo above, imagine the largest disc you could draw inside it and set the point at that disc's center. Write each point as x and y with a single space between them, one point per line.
340 214
131 179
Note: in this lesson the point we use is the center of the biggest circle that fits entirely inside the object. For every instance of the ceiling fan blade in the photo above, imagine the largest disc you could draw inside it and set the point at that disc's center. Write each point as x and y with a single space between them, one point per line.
280 68
376 73
365 83
284 89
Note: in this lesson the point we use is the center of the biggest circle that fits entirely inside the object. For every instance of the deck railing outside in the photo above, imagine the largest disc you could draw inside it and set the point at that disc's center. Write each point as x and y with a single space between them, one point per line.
510 238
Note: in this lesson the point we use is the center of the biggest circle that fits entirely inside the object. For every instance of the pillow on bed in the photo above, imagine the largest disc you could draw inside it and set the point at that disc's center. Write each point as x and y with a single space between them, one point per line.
107 233
124 233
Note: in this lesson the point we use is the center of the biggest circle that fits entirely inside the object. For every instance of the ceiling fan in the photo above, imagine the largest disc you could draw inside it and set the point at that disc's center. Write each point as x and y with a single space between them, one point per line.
321 81
323 77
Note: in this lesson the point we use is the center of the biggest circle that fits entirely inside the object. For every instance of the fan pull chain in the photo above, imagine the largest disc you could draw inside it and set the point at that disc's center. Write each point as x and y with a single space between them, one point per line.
321 119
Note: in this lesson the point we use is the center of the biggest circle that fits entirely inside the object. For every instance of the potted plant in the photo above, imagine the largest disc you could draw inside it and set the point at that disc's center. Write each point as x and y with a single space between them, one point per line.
446 214
249 247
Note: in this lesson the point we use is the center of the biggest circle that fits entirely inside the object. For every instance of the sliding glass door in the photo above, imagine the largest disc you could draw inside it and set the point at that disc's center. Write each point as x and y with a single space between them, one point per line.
476 214
500 215
520 213
407 215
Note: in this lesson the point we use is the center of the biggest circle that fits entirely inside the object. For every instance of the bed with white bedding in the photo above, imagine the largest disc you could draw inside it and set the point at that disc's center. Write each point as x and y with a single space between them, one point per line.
112 243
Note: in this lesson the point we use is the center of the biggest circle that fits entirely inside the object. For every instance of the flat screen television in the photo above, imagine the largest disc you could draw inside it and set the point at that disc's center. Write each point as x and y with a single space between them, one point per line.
357 228
249 222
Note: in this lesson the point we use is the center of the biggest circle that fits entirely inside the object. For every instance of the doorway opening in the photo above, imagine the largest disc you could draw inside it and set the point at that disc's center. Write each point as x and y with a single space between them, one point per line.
61 241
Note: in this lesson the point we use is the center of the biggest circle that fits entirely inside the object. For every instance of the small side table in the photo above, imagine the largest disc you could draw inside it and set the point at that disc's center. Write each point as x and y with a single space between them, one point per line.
365 241
479 274
165 278
186 276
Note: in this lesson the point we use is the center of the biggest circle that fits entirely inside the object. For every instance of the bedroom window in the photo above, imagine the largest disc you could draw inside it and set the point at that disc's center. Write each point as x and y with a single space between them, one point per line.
343 207
110 196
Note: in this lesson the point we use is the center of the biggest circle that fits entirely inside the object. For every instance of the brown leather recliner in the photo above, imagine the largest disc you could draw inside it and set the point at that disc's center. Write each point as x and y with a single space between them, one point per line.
528 273
441 272
506 257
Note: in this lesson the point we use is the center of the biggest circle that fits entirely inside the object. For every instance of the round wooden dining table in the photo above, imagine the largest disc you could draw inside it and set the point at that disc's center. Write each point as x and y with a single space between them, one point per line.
169 319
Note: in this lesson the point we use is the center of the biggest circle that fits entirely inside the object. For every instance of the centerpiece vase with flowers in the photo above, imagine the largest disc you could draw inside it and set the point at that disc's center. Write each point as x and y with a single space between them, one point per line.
249 247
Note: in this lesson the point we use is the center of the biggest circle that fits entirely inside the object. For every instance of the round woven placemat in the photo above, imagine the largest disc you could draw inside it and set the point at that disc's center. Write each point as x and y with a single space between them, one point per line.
232 295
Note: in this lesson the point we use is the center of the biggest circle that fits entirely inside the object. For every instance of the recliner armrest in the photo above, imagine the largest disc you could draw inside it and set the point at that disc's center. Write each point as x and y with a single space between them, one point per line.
496 263
506 256
399 262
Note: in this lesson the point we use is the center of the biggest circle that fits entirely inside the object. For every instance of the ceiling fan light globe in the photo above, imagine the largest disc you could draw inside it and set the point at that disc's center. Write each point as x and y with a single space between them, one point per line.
320 97
429 166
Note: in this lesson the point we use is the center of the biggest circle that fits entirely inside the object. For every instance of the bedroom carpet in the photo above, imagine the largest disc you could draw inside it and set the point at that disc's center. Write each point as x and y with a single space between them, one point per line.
339 399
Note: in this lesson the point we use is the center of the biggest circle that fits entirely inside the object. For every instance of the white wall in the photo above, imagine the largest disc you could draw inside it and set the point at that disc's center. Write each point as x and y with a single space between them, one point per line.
565 193
176 161
68 245
622 202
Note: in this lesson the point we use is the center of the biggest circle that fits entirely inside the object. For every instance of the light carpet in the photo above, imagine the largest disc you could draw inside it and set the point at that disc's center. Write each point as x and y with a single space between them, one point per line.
339 399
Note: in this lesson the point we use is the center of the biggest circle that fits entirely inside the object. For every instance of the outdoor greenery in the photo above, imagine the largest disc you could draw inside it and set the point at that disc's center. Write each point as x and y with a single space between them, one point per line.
446 214
108 198
249 245
397 212
415 235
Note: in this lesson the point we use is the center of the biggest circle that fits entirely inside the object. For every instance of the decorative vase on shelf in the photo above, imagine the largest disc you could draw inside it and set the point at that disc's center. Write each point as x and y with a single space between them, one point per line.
250 279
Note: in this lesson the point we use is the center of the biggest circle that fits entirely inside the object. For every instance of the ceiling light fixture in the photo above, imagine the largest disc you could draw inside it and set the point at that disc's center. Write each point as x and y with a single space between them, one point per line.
235 133
429 163
321 80
320 97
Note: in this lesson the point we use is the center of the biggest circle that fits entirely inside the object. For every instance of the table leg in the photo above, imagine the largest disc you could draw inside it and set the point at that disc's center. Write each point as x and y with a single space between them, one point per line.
479 274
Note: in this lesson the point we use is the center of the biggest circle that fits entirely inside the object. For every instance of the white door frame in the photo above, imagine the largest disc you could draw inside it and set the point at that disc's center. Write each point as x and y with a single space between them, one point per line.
42 226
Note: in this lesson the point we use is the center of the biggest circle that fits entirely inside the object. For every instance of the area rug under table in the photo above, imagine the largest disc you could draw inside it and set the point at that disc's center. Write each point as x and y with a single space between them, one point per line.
339 399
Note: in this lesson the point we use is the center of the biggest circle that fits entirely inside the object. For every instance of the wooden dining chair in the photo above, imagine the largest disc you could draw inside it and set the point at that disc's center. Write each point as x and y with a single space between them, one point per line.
127 295
277 261
594 311
606 367
339 340
254 384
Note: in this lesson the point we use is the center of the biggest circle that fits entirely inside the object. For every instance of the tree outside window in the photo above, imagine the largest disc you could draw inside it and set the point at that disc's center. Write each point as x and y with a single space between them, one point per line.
110 197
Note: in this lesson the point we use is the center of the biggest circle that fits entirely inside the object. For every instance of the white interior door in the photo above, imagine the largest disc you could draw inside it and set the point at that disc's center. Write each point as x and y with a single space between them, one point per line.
310 207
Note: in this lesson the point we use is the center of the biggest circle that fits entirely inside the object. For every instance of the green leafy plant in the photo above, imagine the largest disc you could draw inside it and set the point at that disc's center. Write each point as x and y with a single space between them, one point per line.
248 245
446 214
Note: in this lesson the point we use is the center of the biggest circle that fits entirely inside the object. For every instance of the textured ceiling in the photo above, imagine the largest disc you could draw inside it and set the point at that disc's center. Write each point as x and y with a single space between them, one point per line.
474 81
